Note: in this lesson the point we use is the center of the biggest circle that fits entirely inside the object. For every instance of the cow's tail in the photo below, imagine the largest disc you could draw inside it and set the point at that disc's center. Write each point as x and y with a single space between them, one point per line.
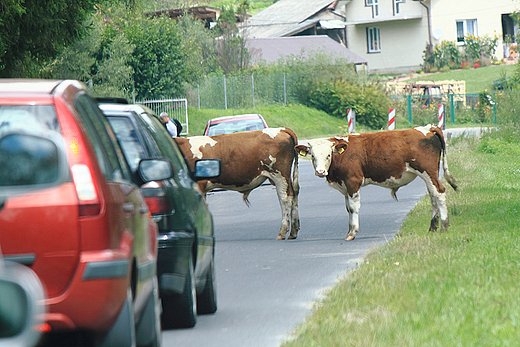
295 173
447 174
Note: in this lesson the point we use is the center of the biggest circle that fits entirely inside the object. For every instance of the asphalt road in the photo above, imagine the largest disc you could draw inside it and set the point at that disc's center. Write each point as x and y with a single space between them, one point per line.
266 287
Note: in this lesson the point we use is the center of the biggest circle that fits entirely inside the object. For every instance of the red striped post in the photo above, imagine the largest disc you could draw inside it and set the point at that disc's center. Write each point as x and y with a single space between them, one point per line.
441 118
351 119
391 119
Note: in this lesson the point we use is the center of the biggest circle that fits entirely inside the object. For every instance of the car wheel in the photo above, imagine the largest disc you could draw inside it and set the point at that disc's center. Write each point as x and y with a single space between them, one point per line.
180 311
207 300
122 332
148 331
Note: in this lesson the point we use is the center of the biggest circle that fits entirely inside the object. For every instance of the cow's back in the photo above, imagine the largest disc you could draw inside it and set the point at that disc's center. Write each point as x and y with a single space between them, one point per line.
243 155
379 156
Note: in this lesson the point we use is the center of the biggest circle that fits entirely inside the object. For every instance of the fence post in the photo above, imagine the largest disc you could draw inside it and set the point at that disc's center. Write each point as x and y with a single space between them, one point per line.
253 88
198 96
225 93
409 102
452 108
284 90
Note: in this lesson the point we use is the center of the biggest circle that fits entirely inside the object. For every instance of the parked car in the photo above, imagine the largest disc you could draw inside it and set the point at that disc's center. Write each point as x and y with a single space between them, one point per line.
234 124
70 211
186 265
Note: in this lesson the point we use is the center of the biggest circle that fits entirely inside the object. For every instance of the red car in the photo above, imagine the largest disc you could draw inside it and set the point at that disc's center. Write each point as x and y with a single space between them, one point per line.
234 124
69 211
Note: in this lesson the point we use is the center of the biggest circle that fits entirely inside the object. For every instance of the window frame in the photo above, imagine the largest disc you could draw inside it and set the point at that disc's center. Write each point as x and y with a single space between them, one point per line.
373 40
396 6
465 32
375 7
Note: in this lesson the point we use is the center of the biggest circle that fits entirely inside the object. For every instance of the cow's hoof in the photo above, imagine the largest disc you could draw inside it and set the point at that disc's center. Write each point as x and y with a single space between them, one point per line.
350 237
291 237
280 237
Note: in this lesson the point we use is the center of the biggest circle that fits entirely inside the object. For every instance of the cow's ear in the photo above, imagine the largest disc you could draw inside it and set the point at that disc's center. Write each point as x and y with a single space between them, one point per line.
301 150
340 148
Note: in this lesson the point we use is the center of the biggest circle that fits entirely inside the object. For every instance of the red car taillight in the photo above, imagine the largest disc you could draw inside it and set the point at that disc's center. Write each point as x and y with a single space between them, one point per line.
80 164
156 199
87 194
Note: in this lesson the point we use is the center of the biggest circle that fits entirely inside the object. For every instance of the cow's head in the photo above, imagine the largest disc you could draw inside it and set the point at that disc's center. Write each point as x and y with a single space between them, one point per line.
321 152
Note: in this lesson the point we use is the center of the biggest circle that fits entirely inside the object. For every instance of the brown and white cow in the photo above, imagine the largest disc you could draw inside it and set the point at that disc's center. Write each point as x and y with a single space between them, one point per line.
248 159
389 159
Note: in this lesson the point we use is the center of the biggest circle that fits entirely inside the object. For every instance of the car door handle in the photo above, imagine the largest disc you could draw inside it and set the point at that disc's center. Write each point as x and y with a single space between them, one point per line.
128 207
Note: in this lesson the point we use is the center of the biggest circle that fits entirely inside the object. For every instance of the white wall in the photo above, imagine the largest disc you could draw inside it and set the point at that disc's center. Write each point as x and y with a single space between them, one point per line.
404 41
403 37
445 13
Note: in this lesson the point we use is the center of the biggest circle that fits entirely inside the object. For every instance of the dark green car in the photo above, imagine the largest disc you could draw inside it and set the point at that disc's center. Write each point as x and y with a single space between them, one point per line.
185 266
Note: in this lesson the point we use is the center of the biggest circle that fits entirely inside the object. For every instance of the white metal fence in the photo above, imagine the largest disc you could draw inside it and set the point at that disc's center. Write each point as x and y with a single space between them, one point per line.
176 108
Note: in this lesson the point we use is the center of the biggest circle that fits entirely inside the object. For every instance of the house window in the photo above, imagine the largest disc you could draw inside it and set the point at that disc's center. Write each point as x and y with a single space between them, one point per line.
373 40
466 27
375 7
396 6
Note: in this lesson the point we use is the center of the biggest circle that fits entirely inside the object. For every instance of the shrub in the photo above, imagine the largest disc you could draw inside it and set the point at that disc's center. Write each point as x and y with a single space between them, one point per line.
369 102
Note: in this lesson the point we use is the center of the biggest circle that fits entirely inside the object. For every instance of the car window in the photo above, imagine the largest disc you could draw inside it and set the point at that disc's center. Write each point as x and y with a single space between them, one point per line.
29 140
128 139
26 159
103 139
235 126
28 117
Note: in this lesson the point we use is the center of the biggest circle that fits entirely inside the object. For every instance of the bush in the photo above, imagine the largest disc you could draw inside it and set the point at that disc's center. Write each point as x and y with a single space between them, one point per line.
370 103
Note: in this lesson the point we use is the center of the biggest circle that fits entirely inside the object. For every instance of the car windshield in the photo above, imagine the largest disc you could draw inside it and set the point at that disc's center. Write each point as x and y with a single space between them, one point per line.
128 138
235 126
29 153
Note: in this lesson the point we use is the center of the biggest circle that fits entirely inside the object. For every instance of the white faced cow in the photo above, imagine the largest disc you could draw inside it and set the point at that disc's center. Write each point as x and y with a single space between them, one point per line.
388 159
248 159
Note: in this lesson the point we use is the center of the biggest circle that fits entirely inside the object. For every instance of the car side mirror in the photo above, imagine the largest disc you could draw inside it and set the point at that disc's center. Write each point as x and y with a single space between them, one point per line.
206 169
21 305
155 170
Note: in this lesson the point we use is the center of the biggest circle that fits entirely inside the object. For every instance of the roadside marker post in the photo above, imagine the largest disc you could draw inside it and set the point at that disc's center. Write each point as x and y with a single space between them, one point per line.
351 120
391 119
442 119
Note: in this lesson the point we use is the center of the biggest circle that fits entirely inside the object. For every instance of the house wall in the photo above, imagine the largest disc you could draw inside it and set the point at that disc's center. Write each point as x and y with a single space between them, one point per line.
404 36
487 13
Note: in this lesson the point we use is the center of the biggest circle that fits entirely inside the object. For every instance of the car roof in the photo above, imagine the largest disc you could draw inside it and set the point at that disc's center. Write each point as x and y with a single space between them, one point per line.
15 85
105 107
233 118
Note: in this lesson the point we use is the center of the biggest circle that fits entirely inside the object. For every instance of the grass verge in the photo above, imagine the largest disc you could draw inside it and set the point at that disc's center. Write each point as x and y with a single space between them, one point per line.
458 288
477 80
304 121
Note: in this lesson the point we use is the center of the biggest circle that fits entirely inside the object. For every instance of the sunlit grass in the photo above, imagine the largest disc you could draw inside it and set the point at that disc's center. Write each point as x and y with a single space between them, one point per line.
304 121
458 288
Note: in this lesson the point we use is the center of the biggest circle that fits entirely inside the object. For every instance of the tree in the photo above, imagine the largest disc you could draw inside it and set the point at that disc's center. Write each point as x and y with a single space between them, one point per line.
158 61
33 31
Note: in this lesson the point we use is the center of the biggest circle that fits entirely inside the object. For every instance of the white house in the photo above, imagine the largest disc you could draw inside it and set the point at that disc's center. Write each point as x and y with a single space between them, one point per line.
391 35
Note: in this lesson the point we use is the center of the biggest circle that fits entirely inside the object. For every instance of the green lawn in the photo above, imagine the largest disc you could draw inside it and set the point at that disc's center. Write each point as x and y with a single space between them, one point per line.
477 80
305 122
458 288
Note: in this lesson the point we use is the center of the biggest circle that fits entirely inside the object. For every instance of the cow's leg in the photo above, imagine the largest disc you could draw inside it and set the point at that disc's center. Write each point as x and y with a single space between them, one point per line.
295 217
438 200
434 224
353 203
286 201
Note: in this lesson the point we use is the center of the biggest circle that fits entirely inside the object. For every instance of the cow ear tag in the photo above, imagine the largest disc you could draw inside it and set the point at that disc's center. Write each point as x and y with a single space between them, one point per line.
302 153
341 150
